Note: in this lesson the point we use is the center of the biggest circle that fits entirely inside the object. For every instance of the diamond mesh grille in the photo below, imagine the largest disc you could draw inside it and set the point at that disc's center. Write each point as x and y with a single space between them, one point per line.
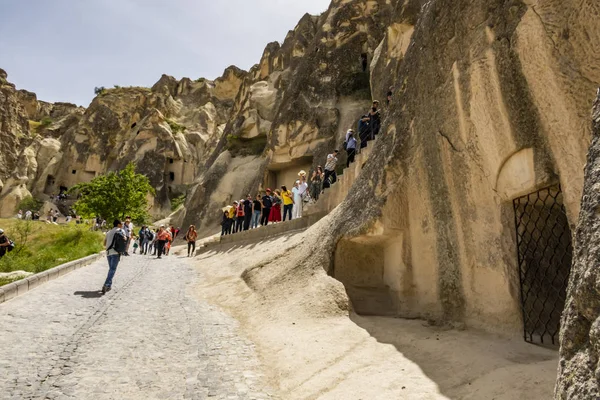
544 255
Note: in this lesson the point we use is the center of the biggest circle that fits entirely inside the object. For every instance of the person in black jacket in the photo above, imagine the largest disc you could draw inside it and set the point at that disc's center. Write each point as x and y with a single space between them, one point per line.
4 243
267 203
375 119
247 212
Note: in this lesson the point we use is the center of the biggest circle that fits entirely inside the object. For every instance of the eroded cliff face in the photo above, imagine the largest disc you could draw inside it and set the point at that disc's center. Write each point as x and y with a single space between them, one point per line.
295 105
169 131
489 104
579 339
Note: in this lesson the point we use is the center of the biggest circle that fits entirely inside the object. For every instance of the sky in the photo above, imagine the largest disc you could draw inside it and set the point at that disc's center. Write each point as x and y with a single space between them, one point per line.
62 49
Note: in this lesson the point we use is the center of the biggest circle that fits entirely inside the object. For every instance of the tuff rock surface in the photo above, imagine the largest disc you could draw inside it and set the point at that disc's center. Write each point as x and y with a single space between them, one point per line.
168 131
580 333
489 102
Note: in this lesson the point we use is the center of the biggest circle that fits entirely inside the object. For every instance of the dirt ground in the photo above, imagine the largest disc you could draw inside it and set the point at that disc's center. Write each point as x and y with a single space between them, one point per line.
314 348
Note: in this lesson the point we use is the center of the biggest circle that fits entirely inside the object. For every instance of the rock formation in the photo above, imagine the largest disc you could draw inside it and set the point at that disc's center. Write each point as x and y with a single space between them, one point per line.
580 337
489 103
295 105
168 131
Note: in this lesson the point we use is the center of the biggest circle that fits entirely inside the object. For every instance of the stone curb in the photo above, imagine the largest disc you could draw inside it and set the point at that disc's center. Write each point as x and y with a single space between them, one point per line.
22 286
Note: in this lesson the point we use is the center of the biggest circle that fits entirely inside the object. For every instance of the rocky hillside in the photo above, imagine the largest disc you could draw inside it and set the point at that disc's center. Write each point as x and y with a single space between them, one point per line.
169 131
489 108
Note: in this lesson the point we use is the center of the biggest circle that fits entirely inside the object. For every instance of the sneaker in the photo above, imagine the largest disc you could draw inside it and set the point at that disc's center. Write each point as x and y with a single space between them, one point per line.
158 258
104 289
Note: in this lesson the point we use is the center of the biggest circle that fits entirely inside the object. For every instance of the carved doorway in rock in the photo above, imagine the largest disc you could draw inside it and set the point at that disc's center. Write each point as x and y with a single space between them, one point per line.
544 256
49 187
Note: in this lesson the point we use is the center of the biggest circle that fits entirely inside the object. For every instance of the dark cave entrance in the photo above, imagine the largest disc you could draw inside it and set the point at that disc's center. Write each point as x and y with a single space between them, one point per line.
544 252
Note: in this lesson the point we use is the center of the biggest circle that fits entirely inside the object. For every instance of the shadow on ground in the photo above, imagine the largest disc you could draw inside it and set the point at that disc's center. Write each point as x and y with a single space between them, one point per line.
89 294
469 364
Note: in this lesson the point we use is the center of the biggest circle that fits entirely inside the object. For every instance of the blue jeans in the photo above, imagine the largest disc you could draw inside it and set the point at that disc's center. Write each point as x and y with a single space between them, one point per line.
255 219
113 261
287 209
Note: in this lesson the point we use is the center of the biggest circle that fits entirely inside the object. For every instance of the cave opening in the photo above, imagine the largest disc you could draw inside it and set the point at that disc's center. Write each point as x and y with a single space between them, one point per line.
359 263
544 253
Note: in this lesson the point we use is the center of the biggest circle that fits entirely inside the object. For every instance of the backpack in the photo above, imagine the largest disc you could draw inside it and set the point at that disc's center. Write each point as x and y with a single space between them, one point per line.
119 243
345 145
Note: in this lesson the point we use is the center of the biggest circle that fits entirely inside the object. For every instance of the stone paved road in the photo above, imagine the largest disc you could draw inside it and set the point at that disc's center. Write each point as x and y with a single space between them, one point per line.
149 338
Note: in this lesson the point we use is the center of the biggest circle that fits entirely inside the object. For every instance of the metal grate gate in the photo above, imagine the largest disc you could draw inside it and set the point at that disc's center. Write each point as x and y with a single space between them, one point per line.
544 255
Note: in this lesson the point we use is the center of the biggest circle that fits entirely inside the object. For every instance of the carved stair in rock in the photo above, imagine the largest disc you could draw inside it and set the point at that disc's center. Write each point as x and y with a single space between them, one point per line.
312 213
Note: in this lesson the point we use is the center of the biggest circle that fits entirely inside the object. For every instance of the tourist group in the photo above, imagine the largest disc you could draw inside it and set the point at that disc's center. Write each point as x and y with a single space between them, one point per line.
273 206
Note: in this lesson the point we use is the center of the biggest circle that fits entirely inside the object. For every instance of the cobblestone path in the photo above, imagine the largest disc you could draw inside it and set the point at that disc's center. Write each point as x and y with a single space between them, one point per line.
149 338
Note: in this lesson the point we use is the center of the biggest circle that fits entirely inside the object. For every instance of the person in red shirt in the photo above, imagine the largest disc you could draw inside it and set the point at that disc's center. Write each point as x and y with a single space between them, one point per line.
162 236
240 216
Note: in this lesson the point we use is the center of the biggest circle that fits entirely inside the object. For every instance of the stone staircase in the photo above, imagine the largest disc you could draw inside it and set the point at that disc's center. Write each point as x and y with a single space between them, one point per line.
312 213
334 195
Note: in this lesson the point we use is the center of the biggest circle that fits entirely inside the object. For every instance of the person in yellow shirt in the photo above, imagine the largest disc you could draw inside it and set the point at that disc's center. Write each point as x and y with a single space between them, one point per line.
288 202
232 212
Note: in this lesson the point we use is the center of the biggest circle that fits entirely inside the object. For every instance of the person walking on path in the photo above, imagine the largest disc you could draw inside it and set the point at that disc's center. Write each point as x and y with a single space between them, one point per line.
275 215
128 229
174 232
315 182
329 177
163 236
115 243
256 212
191 237
350 147
267 203
149 239
288 202
247 212
143 236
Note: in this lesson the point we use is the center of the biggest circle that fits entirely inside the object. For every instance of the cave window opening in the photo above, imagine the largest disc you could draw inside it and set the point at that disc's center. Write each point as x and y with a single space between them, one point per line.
74 171
170 161
364 61
172 176
544 253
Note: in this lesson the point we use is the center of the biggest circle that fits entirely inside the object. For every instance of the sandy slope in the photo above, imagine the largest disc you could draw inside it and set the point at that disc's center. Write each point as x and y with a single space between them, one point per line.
316 349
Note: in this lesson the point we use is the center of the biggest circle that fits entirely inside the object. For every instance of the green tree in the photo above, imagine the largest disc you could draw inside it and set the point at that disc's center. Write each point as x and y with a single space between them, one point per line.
114 196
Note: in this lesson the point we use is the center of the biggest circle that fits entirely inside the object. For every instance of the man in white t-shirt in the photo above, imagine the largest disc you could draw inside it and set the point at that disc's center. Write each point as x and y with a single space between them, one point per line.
302 188
112 253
